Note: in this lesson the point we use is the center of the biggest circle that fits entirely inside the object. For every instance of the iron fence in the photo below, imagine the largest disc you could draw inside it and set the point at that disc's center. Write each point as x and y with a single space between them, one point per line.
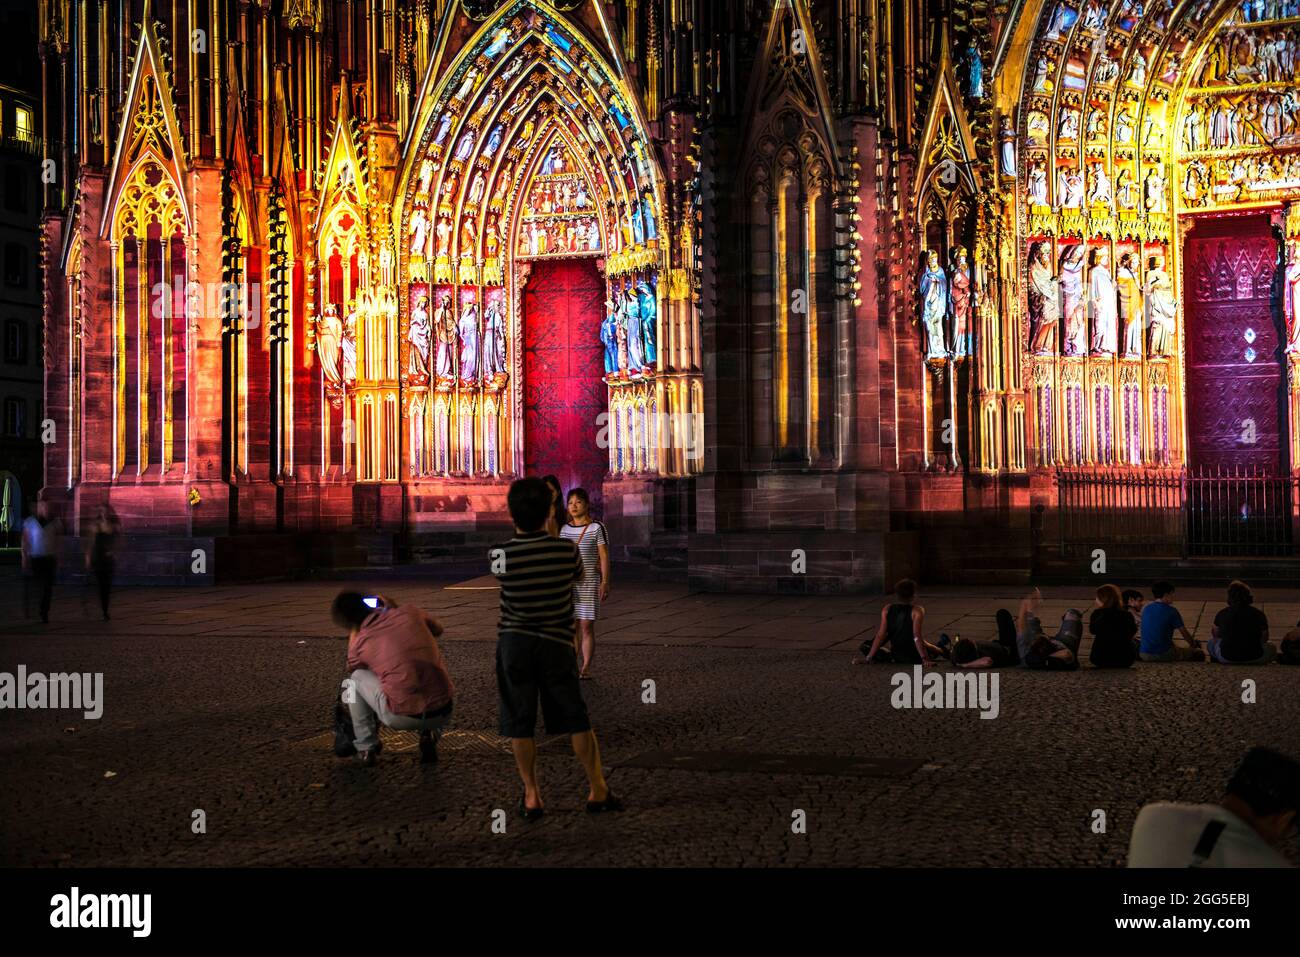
1183 512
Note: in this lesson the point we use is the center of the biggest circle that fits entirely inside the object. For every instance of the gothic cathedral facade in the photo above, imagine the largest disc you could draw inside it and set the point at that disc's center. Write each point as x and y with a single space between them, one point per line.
808 294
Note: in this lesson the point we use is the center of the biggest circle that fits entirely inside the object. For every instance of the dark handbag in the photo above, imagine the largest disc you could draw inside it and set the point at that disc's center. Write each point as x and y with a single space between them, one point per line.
345 735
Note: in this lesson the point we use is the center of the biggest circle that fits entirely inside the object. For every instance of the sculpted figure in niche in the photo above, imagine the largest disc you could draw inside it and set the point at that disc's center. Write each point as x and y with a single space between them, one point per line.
1162 307
1073 312
960 297
1044 309
1129 302
444 324
933 288
1101 296
418 362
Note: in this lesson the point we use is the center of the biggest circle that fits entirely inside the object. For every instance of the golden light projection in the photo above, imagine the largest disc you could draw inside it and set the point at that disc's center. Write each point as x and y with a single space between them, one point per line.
1135 121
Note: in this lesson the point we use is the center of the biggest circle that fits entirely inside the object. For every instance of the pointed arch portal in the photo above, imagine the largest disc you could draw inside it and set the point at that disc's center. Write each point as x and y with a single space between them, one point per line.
529 152
1161 153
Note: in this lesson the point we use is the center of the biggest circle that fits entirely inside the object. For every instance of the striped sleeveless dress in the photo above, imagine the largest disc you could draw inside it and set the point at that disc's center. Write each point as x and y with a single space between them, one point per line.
586 593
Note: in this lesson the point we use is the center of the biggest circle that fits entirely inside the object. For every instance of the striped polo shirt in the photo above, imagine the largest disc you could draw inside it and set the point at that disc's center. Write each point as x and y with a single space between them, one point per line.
537 573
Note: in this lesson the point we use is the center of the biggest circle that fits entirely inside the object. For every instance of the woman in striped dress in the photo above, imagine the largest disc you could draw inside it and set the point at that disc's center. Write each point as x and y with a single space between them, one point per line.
593 547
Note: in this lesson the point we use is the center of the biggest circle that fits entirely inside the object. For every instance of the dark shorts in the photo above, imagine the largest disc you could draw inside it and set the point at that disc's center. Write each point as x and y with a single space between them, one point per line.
528 668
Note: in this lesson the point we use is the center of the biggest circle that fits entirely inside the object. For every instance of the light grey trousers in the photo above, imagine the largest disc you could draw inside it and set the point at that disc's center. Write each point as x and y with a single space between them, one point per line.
370 706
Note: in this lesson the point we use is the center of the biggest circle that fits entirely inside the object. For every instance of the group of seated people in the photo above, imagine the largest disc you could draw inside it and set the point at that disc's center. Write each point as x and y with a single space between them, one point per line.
1124 627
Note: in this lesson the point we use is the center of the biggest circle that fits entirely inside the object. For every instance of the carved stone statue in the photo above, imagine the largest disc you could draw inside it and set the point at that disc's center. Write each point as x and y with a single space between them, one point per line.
329 341
444 324
419 232
974 72
1291 298
1036 185
494 342
1044 309
350 344
648 310
1007 148
960 297
632 326
1101 296
1162 308
1153 187
1129 303
933 288
469 343
609 337
1073 312
418 363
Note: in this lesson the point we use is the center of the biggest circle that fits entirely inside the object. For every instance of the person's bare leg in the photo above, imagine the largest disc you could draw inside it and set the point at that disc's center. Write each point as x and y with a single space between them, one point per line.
588 752
525 752
587 641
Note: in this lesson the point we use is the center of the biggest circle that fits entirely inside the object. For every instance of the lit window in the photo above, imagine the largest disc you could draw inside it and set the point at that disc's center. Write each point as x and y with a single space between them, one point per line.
23 127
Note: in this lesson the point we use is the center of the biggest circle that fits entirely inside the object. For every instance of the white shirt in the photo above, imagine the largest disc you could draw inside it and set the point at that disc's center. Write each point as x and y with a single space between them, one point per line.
1166 835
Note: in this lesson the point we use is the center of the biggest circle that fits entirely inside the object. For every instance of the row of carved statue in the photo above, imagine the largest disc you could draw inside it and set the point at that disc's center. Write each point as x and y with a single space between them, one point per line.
1062 305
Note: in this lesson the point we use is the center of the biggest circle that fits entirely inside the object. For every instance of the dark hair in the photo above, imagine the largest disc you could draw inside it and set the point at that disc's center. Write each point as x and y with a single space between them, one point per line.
350 609
1268 781
529 500
580 494
1162 588
1110 597
1239 594
1129 594
964 651
554 483
905 589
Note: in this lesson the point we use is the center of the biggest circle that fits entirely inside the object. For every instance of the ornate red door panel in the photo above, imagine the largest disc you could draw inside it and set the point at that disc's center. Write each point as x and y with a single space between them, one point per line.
564 386
1234 351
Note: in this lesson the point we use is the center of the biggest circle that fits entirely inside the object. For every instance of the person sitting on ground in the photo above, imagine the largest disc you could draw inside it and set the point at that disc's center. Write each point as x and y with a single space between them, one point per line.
1245 829
902 626
398 675
1289 652
1114 644
1240 631
1133 602
1159 620
1001 653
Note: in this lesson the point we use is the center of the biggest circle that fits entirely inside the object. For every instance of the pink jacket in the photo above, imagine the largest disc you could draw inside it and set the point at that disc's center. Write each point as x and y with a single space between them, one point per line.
397 645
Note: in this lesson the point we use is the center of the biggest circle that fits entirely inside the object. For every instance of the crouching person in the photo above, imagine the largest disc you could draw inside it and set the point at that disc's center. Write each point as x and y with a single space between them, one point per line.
398 675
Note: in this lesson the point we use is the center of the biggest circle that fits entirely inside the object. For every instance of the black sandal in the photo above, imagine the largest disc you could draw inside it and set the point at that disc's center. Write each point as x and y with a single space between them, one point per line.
611 803
529 813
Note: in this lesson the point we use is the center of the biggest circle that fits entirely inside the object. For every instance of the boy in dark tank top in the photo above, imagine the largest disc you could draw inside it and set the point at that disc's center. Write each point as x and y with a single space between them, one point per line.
901 628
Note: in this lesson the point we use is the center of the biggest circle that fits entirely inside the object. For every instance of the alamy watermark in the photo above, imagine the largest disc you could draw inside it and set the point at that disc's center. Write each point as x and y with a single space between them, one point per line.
949 690
77 691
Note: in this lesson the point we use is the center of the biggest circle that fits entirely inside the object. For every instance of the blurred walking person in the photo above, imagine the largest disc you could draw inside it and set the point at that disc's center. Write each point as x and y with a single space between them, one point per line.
593 548
39 554
101 552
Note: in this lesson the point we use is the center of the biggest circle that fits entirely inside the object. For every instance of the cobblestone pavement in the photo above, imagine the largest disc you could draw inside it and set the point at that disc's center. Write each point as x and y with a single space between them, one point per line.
218 699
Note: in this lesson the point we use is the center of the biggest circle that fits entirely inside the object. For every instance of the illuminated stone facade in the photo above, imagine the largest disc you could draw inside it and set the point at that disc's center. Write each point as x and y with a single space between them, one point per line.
810 295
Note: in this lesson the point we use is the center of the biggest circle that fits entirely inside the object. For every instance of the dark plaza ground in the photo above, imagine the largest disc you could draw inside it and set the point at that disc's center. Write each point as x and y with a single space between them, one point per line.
219 699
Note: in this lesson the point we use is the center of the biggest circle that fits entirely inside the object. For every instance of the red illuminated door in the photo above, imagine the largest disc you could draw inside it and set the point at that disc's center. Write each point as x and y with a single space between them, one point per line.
564 387
1235 372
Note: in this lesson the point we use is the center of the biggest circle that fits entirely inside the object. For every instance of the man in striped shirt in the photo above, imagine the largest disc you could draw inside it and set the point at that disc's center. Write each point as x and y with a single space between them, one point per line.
535 656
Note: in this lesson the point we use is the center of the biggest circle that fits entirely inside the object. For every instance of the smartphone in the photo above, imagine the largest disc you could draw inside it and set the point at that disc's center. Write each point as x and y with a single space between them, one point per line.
372 600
